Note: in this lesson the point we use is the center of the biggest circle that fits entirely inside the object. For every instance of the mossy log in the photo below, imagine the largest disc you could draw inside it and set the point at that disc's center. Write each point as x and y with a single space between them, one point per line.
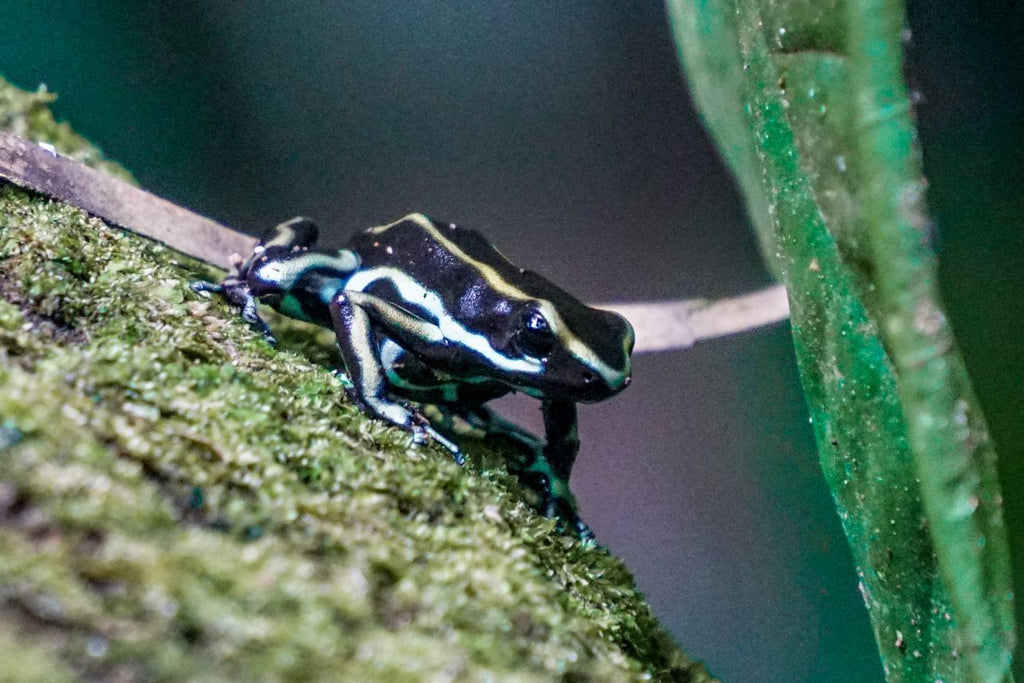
178 500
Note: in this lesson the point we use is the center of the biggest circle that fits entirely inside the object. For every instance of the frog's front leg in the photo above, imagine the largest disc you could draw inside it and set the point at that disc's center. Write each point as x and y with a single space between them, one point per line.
353 327
563 440
563 443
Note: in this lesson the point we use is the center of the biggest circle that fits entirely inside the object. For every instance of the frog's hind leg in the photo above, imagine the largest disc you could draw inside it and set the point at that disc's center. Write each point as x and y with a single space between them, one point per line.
286 243
296 233
235 288
543 468
481 420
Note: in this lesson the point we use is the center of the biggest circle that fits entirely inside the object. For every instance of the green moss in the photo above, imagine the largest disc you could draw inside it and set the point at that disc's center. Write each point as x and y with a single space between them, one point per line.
178 500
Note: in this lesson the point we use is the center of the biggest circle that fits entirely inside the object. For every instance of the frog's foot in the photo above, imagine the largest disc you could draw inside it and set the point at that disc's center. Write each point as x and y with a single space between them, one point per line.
406 417
547 493
558 502
421 429
564 510
236 291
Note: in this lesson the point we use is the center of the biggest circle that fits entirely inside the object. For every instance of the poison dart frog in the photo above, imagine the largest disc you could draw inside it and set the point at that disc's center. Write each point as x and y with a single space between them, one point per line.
430 313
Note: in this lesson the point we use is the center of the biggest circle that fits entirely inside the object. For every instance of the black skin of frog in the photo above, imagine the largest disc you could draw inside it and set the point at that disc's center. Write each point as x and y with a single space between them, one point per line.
429 313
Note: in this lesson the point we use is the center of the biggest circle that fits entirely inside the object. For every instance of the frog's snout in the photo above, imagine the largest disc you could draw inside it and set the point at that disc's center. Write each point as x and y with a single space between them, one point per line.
592 386
589 378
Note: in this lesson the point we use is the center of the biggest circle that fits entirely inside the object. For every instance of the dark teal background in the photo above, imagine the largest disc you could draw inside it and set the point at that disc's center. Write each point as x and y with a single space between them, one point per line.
565 132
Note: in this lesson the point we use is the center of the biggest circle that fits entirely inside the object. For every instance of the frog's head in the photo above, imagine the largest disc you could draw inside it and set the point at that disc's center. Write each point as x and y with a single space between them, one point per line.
585 351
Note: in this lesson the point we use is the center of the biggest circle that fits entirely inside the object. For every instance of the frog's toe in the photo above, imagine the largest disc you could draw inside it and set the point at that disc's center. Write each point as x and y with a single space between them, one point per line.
252 316
264 331
563 510
457 455
422 430
584 532
201 286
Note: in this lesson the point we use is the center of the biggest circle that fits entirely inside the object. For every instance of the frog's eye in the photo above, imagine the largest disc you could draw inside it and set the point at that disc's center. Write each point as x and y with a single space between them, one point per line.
534 336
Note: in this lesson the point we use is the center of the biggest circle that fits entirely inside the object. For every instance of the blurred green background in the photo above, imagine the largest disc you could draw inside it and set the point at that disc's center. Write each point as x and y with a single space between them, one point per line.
565 132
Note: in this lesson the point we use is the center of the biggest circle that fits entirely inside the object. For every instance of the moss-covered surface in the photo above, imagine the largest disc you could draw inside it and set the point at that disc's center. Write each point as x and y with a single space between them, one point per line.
180 501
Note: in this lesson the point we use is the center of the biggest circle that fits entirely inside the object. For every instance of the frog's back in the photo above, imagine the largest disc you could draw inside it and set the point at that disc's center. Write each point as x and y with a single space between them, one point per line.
459 269
452 259
426 249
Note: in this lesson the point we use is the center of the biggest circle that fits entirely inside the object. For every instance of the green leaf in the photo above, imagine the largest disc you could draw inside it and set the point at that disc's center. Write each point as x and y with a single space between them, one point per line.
807 104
